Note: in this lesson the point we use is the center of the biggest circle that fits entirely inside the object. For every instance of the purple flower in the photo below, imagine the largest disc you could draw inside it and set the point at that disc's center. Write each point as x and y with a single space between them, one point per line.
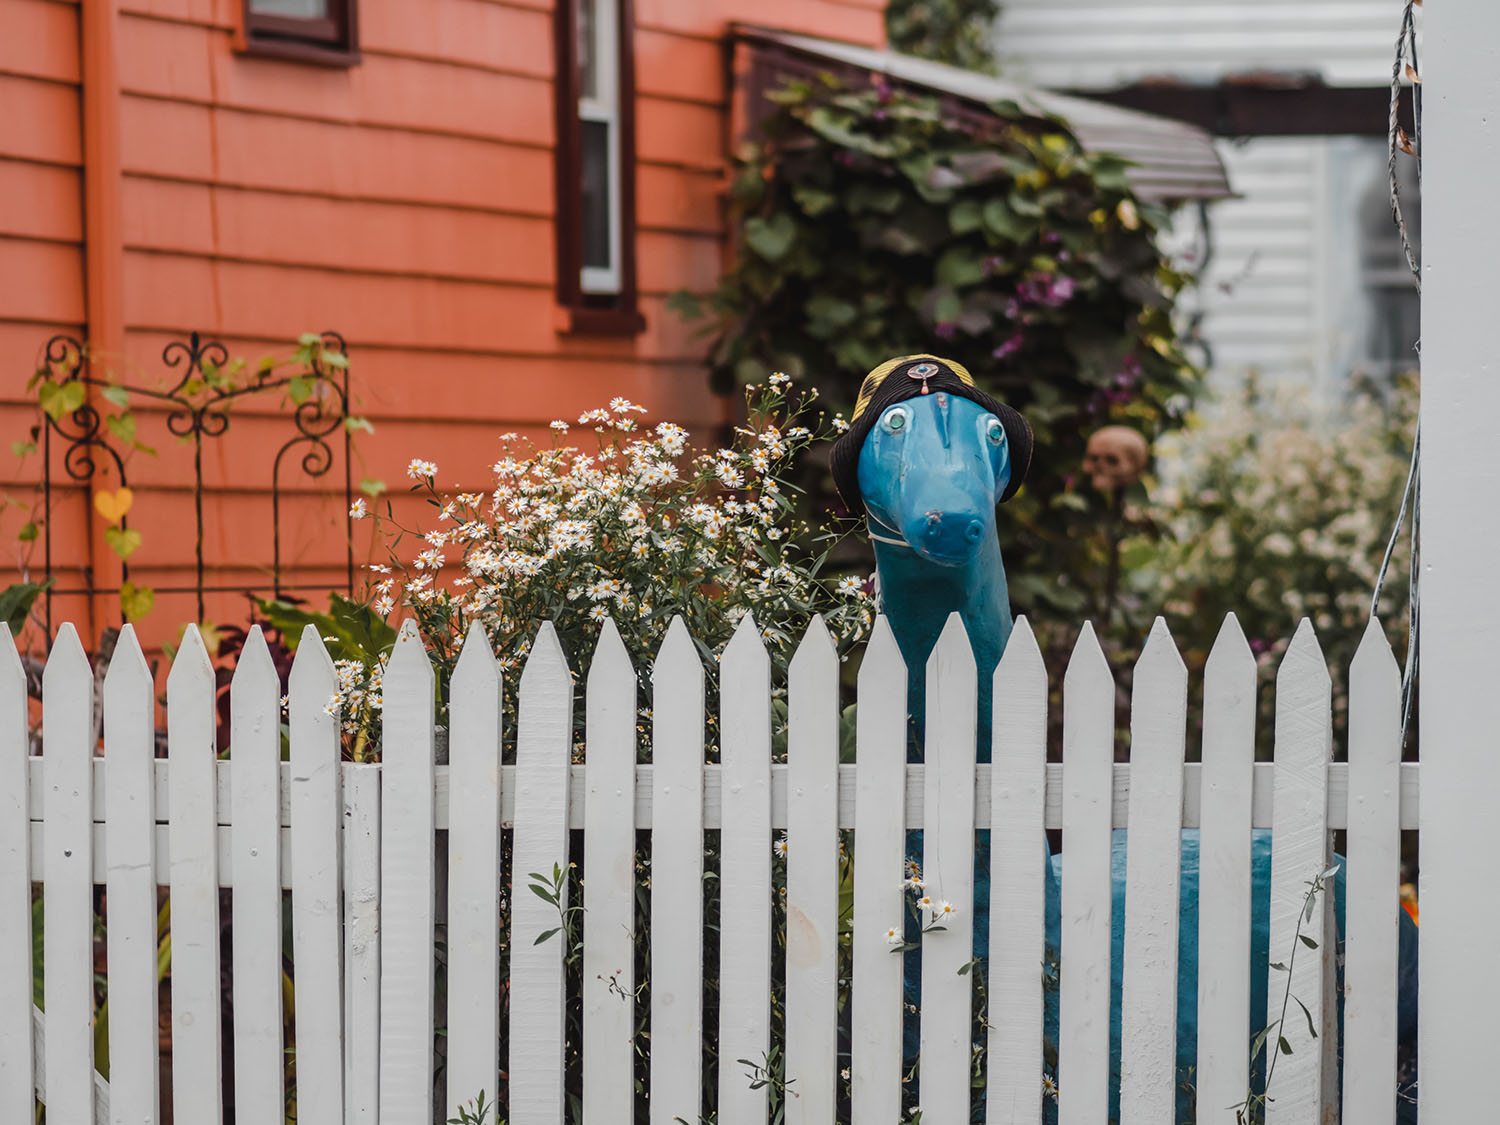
1061 291
1009 346
945 329
994 264
880 115
1012 309
1051 238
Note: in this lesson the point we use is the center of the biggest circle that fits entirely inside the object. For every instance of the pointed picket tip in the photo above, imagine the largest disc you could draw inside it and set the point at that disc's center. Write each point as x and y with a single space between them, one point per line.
677 655
745 649
409 656
254 663
546 658
128 670
611 657
476 665
953 648
313 673
1023 656
1374 656
1087 659
1230 649
191 667
10 658
67 657
1160 655
815 649
1304 656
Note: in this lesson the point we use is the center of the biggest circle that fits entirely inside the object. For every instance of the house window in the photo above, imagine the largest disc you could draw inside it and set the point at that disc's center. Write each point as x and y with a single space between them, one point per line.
311 30
596 167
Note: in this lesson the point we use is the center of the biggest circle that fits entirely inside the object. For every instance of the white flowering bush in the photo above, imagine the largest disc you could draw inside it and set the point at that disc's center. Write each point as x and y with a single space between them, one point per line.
1280 508
638 527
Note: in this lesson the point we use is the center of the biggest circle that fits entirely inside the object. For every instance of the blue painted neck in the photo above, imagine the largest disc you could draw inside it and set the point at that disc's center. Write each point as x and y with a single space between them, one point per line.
918 597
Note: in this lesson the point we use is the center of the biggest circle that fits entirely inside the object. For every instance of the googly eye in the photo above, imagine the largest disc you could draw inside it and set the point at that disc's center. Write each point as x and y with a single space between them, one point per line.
896 418
995 431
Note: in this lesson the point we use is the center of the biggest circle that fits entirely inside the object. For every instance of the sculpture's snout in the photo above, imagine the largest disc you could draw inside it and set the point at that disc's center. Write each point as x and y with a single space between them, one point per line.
948 536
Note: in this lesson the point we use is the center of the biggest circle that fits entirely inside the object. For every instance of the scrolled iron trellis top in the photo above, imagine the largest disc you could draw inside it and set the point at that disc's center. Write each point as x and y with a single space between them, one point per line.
197 406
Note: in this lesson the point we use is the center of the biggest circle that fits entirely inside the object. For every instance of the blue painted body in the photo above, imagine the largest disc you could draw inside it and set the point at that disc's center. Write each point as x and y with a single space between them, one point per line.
931 471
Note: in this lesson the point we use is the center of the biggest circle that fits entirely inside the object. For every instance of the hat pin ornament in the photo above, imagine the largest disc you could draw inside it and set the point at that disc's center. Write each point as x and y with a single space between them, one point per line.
923 371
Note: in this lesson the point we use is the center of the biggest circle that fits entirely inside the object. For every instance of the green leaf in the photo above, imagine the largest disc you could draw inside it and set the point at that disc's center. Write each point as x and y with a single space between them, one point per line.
28 532
1310 1029
545 934
122 426
771 238
959 265
136 601
16 602
813 201
123 541
22 448
353 424
57 399
1002 221
309 339
1286 1048
1307 941
300 388
964 216
371 487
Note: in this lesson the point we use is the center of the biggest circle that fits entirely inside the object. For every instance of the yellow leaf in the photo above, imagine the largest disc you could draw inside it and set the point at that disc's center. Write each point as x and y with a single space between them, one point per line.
123 541
212 638
136 601
113 505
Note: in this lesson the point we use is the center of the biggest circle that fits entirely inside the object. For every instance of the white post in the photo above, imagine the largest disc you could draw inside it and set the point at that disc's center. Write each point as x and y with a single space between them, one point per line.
1460 709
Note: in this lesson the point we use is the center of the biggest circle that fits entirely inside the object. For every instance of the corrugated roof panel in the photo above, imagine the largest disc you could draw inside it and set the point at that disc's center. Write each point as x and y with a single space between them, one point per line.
1173 162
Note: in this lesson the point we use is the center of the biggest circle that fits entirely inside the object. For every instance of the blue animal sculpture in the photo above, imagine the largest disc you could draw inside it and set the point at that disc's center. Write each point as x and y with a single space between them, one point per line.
926 459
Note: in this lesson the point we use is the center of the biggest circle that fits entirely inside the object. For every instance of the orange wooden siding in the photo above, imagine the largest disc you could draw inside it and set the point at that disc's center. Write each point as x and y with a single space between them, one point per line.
406 201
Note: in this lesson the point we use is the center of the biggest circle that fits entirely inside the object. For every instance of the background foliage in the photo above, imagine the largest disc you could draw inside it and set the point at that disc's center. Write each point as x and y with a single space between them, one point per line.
956 32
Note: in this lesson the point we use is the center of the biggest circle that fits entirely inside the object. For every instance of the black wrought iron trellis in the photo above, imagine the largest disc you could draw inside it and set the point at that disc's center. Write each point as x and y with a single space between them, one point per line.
197 405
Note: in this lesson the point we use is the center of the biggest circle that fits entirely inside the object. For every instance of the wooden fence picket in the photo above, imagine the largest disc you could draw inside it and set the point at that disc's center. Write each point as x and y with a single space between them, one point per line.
1372 913
1300 852
317 938
1088 784
879 863
1158 718
677 880
544 747
1018 844
361 810
407 884
255 764
17 1046
474 702
948 871
68 879
1229 683
193 845
744 873
812 880
609 882
130 835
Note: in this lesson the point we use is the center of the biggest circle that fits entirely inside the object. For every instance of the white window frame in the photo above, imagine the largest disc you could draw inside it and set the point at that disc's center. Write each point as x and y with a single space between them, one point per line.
604 108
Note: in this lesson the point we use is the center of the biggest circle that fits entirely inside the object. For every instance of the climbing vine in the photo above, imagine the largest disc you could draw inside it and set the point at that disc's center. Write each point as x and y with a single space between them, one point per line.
875 221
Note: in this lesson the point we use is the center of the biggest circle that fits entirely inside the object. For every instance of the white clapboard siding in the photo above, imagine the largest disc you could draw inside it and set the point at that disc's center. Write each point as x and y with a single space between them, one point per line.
361 810
744 873
544 745
1299 854
879 863
1373 911
1018 845
474 698
255 757
609 881
68 882
948 870
193 840
317 937
1083 1002
130 783
1158 730
407 884
17 1047
677 879
812 879
1229 681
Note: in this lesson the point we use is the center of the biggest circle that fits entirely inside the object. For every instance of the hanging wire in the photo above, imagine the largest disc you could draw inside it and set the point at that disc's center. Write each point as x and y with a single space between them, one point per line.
1406 65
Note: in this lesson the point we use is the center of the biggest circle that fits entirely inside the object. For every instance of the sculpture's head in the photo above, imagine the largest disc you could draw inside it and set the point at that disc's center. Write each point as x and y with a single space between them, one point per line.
928 455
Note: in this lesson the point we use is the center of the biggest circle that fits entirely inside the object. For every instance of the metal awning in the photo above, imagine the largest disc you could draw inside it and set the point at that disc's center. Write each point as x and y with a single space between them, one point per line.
1170 162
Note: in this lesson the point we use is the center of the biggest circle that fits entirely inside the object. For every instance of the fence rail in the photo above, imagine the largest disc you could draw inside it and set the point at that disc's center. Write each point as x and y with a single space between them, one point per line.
357 847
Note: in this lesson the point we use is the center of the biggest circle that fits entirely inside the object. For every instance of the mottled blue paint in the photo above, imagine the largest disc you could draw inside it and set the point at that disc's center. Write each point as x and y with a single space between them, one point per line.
931 471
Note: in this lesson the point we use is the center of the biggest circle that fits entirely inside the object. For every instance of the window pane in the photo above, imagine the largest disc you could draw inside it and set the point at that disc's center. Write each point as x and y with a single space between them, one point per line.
588 63
297 9
595 194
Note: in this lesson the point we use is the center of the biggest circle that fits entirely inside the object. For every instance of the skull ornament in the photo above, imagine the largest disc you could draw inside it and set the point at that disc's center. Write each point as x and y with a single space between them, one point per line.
1115 458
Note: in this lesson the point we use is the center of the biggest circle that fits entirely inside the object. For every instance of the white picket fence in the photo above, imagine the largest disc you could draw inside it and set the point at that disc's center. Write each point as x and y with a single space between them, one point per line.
356 846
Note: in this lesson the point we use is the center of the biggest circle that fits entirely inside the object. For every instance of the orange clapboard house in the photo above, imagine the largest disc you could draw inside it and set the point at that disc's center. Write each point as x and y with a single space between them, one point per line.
491 200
